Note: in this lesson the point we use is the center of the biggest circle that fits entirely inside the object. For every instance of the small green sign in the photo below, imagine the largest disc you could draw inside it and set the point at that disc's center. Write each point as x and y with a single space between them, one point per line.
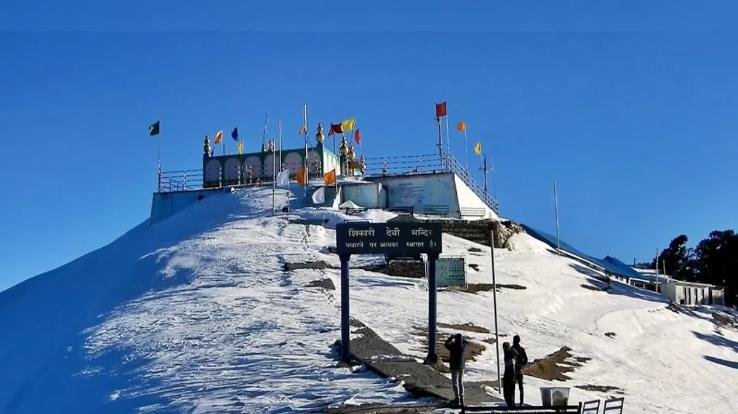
451 271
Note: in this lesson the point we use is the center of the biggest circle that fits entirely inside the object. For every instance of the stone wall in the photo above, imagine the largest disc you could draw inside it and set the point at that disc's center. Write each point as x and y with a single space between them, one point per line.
478 230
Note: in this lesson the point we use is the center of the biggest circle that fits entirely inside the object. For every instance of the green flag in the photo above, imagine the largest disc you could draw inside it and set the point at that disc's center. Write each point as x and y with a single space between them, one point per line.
154 128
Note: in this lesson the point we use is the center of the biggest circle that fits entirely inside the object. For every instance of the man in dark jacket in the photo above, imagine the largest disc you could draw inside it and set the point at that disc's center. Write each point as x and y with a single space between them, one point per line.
508 378
521 362
456 345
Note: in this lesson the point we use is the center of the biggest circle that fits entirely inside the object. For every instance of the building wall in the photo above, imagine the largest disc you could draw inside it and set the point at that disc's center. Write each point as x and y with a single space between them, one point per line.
471 207
432 194
233 169
164 205
692 294
368 195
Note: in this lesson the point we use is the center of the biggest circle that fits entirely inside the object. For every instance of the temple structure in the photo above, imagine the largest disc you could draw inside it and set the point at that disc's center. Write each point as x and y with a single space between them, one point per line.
426 185
250 168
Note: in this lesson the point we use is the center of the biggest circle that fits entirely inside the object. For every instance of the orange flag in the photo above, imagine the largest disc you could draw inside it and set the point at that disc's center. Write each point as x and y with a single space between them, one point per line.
330 177
218 137
301 177
461 126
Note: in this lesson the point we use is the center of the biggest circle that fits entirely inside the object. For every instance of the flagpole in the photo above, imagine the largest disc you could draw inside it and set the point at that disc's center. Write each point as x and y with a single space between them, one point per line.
448 141
274 177
305 161
556 209
440 142
466 153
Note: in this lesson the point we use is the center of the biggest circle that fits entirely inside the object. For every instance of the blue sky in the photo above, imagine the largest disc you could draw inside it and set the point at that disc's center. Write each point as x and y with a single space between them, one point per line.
631 107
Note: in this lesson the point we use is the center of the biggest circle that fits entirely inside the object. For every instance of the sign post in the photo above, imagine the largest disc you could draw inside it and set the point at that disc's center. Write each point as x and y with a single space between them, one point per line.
398 239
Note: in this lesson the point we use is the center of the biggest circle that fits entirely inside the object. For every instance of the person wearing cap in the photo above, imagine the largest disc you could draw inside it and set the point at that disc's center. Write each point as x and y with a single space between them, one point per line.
456 345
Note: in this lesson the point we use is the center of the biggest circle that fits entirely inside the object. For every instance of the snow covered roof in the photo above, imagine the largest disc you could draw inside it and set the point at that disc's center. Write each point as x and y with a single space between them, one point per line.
609 263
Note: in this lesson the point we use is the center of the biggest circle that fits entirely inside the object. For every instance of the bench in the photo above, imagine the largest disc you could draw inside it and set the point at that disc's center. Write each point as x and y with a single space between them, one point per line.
528 409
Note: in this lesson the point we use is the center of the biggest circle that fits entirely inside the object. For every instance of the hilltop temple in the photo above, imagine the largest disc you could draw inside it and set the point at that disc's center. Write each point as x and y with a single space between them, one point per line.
428 185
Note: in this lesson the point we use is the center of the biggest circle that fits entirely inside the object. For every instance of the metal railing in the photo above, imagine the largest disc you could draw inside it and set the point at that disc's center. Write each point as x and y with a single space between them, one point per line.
402 165
183 180
455 166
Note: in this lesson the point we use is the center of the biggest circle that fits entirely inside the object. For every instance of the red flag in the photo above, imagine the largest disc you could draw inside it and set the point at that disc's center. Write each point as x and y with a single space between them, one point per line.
357 137
441 109
335 129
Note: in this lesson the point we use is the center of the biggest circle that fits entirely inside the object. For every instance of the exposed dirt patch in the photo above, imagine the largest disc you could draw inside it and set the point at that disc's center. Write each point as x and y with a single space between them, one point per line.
326 283
554 367
464 327
595 288
472 350
601 388
475 250
474 266
485 287
610 334
490 341
318 264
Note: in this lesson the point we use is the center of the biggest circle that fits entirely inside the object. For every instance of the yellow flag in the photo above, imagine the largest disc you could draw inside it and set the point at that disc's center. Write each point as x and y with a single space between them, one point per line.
218 137
478 148
461 126
348 125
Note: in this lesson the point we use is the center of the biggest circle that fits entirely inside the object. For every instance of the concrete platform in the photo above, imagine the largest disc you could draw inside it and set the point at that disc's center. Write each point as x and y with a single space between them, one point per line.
419 379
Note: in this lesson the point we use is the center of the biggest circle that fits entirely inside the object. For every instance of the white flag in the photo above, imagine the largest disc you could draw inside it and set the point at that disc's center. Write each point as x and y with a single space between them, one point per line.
283 178
319 196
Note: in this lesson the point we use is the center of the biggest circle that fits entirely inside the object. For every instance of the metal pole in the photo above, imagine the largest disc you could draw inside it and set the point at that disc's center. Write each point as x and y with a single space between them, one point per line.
466 154
305 163
432 292
494 301
556 208
484 169
440 144
274 177
345 333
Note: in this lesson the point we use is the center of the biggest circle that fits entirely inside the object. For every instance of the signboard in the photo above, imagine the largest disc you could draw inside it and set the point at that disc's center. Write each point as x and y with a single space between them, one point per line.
451 271
407 239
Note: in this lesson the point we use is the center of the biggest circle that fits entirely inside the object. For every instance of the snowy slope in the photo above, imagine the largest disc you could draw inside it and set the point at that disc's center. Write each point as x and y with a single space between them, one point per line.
195 314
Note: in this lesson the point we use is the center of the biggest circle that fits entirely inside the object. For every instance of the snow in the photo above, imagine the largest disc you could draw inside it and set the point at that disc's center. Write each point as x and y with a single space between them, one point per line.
195 314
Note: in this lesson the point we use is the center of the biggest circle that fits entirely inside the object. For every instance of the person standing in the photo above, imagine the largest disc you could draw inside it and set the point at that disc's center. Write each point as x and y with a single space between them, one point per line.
508 378
520 363
456 345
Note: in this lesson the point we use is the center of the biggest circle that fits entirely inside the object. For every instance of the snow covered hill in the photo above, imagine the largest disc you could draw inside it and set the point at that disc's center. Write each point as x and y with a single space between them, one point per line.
196 314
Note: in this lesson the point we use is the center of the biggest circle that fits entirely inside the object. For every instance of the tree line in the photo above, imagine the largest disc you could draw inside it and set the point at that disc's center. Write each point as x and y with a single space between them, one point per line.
713 260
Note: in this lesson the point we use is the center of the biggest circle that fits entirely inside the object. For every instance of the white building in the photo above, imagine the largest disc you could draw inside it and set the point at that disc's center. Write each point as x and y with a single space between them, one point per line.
690 293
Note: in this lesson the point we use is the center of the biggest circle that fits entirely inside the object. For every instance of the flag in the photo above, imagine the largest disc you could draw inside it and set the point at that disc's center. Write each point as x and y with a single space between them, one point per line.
301 177
319 196
218 137
348 124
283 178
234 134
440 109
335 129
330 177
357 137
461 126
239 147
478 148
154 128
303 130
